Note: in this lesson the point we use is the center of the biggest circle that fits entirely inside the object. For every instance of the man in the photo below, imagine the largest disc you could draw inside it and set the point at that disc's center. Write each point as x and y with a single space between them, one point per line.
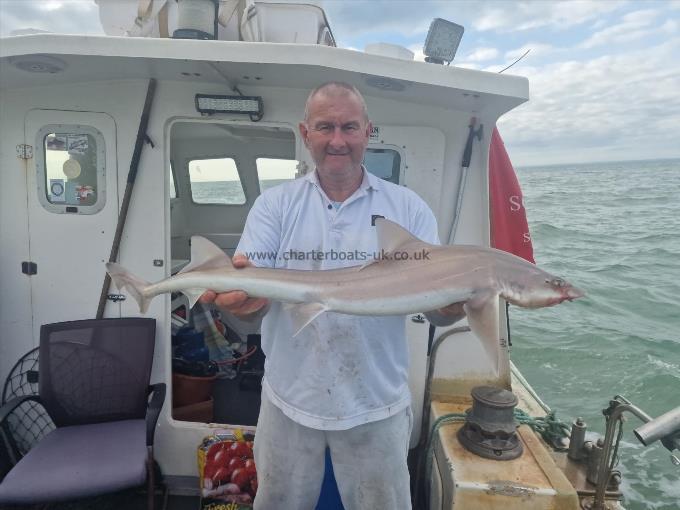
342 382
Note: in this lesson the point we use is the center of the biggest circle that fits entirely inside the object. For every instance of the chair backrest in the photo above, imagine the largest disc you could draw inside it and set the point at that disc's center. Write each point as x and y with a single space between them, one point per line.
96 370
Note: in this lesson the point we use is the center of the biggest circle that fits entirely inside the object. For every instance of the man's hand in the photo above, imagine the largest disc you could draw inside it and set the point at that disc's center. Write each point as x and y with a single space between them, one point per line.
453 310
236 302
447 315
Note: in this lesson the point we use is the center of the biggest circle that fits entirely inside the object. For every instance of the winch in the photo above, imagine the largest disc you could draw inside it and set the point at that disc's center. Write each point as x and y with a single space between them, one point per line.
490 429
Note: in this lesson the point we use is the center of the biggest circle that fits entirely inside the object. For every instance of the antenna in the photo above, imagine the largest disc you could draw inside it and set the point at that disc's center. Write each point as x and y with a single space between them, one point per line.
520 58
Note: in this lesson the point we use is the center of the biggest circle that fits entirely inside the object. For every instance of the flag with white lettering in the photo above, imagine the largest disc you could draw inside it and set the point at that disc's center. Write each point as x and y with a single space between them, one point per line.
509 227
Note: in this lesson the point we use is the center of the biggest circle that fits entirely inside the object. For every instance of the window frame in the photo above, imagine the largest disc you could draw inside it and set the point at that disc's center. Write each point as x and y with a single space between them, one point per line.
402 160
257 170
41 169
240 180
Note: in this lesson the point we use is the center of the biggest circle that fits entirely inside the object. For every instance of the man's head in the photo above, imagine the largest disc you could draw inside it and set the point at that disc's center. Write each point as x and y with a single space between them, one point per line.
336 129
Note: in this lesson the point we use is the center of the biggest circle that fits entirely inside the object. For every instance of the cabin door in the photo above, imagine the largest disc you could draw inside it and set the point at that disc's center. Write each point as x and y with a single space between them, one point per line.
72 210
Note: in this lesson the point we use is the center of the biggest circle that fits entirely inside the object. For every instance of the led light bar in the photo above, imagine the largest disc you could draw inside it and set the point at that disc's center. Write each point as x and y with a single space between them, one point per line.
442 41
252 105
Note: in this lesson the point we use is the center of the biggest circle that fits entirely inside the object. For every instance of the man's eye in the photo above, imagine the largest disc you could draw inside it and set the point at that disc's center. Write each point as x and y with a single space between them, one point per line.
351 128
325 128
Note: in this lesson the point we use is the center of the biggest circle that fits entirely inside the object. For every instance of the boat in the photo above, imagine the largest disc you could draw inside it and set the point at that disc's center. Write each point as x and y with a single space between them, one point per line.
171 104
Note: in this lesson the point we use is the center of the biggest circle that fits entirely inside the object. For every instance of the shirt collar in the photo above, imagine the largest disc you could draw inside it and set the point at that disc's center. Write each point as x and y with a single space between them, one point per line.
369 181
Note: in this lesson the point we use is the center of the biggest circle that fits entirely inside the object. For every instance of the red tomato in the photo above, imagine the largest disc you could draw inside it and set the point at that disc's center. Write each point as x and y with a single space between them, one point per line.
253 486
221 458
212 451
241 449
250 464
235 462
221 476
240 477
209 471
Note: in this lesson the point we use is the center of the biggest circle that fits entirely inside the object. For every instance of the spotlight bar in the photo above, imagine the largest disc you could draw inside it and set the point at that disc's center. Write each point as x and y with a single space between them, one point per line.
252 105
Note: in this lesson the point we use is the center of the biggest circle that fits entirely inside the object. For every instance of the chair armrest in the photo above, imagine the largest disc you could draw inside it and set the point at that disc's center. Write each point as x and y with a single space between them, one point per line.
157 392
10 406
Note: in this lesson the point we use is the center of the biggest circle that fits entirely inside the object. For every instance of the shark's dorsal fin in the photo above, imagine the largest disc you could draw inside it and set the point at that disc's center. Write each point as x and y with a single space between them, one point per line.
206 255
392 236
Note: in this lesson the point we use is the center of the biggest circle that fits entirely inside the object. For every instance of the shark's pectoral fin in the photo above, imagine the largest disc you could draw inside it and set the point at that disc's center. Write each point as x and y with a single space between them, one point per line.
193 295
482 314
303 314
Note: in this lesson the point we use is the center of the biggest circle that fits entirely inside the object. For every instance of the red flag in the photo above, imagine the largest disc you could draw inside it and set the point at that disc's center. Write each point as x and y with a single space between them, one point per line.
509 227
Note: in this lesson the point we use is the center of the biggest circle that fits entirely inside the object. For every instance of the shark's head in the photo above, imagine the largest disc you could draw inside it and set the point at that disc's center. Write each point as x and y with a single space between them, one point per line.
561 290
538 289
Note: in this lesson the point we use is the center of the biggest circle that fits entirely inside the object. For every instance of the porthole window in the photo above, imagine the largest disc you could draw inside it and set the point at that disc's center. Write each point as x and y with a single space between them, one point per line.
70 164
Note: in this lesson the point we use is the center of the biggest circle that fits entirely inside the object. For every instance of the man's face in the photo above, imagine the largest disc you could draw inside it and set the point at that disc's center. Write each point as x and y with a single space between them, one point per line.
336 133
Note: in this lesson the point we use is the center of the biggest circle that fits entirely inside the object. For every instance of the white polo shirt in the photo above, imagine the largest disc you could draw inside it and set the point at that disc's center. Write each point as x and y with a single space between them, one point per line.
342 370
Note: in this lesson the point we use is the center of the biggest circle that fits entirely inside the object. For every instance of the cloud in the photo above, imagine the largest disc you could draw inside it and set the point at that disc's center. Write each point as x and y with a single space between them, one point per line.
635 25
412 18
519 16
482 54
67 16
609 107
537 50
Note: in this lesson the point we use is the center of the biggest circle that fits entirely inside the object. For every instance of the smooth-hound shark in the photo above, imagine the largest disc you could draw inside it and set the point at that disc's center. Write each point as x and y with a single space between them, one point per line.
425 278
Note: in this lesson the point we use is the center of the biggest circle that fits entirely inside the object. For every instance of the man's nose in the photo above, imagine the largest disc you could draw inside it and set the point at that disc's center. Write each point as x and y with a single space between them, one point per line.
338 138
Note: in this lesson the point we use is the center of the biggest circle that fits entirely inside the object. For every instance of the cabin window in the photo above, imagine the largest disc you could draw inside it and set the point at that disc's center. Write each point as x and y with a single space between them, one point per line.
71 165
385 163
216 181
273 171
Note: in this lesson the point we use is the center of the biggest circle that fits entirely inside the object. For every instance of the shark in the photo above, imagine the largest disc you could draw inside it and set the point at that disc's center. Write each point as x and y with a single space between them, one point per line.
410 276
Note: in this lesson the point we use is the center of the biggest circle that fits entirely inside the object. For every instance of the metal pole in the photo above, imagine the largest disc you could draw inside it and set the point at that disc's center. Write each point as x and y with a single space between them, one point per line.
132 175
603 472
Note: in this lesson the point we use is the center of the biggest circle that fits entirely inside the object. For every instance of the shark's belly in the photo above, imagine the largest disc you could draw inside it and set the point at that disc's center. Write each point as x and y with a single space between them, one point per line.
396 304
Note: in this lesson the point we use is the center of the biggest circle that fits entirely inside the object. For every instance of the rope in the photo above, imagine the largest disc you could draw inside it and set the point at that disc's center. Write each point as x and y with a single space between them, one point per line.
552 430
549 427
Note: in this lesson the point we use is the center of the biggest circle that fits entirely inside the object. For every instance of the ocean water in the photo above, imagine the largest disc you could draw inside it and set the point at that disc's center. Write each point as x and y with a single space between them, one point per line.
612 229
225 192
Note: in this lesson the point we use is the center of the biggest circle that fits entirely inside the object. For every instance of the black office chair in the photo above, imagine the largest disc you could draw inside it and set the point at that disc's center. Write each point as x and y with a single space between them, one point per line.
94 384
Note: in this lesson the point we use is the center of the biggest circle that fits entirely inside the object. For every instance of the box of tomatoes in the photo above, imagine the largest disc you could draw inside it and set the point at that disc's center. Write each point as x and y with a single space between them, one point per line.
227 471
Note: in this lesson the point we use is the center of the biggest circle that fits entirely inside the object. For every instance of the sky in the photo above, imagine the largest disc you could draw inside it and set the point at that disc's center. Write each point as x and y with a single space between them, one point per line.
604 75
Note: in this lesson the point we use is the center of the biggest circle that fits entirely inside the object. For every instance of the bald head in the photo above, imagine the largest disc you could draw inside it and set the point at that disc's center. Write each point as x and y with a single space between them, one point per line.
336 89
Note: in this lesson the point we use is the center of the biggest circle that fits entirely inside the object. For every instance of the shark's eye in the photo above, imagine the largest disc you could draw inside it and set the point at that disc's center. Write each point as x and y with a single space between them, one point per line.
558 282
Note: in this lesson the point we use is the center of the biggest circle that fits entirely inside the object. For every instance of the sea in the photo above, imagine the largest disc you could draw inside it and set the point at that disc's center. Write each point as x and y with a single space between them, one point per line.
612 229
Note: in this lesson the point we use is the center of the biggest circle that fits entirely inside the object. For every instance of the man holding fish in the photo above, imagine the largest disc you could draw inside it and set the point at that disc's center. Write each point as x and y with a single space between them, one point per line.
334 336
341 382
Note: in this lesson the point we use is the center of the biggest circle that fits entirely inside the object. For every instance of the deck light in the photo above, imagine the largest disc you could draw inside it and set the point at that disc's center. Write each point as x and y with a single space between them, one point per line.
442 41
251 105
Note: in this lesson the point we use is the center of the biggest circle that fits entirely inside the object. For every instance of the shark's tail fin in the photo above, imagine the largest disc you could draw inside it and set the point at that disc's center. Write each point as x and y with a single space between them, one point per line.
123 279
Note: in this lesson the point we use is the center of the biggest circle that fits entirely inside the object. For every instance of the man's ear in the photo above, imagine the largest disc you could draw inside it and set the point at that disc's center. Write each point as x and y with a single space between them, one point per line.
304 132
